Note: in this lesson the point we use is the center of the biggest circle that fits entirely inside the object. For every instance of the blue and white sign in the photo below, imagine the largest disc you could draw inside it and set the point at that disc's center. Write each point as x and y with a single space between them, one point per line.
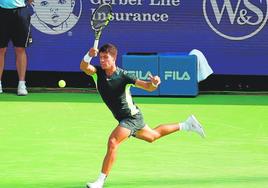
179 75
141 67
232 34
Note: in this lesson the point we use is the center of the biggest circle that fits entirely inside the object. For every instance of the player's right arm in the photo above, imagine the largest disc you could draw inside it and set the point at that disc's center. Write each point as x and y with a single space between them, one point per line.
85 66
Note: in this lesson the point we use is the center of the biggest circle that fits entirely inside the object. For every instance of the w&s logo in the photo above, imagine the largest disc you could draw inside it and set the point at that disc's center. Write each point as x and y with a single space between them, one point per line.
236 19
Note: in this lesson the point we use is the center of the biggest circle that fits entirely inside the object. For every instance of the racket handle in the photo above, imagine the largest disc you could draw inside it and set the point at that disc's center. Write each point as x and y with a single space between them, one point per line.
96 44
87 58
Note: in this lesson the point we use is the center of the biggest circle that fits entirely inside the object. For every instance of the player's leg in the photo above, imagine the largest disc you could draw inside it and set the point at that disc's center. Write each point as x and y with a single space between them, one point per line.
118 135
2 63
21 62
20 40
2 60
4 39
116 138
150 135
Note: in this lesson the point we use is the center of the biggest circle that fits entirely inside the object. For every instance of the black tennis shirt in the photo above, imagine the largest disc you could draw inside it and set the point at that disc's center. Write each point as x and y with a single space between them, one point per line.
115 91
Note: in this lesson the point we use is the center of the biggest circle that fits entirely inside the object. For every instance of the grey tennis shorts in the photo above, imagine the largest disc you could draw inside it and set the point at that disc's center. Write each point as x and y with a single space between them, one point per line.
133 123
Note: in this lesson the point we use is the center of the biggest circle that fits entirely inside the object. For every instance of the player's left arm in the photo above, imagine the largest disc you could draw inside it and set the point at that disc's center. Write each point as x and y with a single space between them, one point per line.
149 85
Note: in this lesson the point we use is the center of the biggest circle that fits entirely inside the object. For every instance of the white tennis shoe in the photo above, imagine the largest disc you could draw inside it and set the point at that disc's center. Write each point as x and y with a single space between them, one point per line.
96 184
22 91
1 90
195 126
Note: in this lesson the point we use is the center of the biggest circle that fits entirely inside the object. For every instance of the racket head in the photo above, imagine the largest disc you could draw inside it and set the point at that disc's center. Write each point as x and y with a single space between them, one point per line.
101 17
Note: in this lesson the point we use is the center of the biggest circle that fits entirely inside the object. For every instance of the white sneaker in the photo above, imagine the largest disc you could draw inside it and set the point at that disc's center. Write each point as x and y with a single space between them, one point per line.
195 126
1 90
22 91
96 184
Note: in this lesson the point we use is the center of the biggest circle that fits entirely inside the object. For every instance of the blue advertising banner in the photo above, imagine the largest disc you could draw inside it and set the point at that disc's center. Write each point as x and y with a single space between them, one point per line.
179 75
232 34
141 66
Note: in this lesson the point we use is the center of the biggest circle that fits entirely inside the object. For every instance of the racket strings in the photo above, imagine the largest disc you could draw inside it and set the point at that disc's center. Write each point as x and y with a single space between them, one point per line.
101 17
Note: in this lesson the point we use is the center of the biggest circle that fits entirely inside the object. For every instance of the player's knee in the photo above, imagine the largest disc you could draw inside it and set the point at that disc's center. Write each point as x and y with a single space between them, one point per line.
20 52
151 139
3 51
112 144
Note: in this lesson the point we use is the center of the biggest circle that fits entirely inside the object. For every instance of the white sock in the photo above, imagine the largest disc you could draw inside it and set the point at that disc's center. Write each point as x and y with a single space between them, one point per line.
184 126
102 177
22 83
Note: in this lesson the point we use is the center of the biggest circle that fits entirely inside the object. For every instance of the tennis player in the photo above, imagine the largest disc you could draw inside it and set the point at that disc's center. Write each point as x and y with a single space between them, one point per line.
113 84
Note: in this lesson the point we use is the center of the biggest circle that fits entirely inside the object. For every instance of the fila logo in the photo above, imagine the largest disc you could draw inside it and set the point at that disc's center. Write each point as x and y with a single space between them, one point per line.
139 74
176 75
236 20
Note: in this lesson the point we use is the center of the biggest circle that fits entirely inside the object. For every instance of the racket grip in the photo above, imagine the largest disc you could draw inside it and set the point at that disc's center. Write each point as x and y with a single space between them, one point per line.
87 58
96 44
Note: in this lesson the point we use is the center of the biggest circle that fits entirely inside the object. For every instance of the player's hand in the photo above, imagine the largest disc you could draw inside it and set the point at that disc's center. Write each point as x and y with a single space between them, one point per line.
155 80
93 52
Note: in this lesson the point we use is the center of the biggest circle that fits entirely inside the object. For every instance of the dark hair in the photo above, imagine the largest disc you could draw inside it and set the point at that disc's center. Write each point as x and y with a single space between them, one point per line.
109 48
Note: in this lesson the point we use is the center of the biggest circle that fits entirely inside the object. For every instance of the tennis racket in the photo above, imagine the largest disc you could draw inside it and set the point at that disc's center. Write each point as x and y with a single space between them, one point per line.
99 20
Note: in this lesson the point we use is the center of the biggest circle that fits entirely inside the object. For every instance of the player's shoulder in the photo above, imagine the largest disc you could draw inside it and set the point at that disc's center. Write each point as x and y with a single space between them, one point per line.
121 71
125 74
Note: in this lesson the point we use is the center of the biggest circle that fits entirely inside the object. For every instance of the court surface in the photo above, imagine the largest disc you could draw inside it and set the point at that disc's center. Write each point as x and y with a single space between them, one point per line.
58 140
